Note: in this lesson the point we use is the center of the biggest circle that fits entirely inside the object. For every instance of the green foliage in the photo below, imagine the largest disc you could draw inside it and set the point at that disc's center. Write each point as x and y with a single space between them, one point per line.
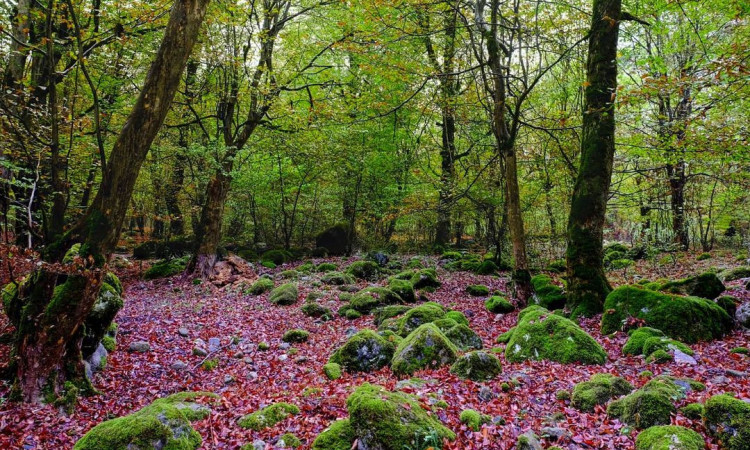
166 268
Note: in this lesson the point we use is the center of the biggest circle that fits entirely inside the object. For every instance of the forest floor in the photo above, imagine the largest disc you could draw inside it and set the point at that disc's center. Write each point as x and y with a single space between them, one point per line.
246 378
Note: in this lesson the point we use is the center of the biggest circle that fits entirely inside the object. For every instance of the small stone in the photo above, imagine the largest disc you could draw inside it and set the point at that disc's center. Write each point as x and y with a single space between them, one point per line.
736 373
284 345
179 365
183 332
283 357
239 354
228 379
684 358
214 344
252 375
248 361
486 394
553 432
139 347
528 441
301 360
351 331
199 351
259 444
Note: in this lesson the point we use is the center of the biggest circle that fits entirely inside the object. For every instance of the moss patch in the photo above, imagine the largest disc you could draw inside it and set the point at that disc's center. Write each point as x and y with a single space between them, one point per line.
338 436
653 404
268 416
166 268
261 286
284 295
474 419
296 335
728 419
364 270
425 347
477 366
547 294
498 305
366 351
478 290
669 437
332 371
598 390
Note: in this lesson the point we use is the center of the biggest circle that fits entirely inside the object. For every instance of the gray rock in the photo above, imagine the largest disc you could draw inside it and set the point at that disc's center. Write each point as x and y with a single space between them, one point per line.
300 360
743 313
248 361
259 444
553 432
252 375
238 354
199 351
183 332
214 344
486 394
228 379
96 358
351 331
284 345
528 441
283 357
178 365
139 347
736 373
684 358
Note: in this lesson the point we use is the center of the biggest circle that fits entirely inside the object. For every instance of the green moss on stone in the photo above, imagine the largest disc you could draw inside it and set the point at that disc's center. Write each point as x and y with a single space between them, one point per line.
740 350
166 268
474 419
653 404
338 436
598 390
478 290
463 337
498 305
404 289
366 351
424 313
295 336
288 440
659 357
669 437
312 309
425 347
693 411
486 267
728 419
705 285
653 344
337 278
364 270
477 366
332 371
547 294
370 298
638 338
458 317
387 312
268 416
261 286
284 295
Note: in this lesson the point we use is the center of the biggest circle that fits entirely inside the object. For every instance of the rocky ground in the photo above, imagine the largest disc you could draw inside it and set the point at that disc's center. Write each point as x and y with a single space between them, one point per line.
169 318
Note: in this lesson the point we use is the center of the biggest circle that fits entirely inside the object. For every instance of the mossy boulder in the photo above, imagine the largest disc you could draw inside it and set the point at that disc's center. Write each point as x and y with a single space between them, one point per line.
295 336
288 275
669 437
364 270
600 389
705 285
498 305
284 295
474 419
163 424
477 290
638 338
316 310
278 257
366 351
477 366
693 411
458 317
326 267
268 416
734 274
165 268
404 289
463 337
370 298
335 240
547 294
653 404
261 286
337 278
687 319
384 420
666 344
289 440
728 419
332 371
338 436
425 347
540 334
387 312
486 267
420 279
728 303
419 315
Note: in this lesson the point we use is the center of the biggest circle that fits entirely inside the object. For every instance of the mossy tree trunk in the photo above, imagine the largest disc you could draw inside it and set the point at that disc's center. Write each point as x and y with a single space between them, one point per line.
47 346
587 282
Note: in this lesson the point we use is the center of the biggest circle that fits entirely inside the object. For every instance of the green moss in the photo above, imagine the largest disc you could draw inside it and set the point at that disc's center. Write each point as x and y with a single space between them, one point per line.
370 298
638 338
404 289
659 357
387 312
268 416
413 318
420 279
452 256
263 346
366 351
326 267
210 364
669 437
478 290
289 441
646 374
277 257
268 264
477 366
562 394
653 344
487 267
425 347
337 278
693 411
288 275
547 294
728 304
705 285
728 419
458 317
498 305
286 294
166 268
112 280
653 404
306 267
463 337
688 319
352 314
364 270
505 337
332 371
540 335
598 390
312 309
473 419
734 274
261 286
109 343
391 420
338 436
166 423
296 335
740 350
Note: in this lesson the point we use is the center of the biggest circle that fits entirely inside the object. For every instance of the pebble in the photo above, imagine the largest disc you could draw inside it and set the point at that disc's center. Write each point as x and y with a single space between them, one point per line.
179 365
486 394
183 332
214 344
351 331
139 347
199 351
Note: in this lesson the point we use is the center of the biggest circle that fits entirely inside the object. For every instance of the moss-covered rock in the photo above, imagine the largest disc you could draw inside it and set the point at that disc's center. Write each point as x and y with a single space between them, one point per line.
688 319
338 436
288 440
268 416
600 389
728 419
288 275
458 317
653 404
477 290
284 295
705 285
693 411
638 338
364 270
463 337
420 279
413 318
165 268
261 286
477 366
425 347
474 419
728 303
734 274
669 437
326 267
486 267
316 310
404 289
384 420
370 298
540 334
163 424
547 294
366 351
387 312
108 304
332 371
498 305
337 278
278 257
659 357
656 343
295 336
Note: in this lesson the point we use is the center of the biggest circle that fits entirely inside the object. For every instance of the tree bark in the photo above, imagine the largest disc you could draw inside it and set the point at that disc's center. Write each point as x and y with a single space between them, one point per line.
49 332
587 282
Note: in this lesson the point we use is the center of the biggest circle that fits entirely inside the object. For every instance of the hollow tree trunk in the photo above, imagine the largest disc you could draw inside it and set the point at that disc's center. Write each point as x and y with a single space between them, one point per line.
587 282
48 335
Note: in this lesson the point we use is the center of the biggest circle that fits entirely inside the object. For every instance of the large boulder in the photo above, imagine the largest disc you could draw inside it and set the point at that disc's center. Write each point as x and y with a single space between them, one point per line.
286 294
477 366
366 351
540 334
463 337
417 316
334 239
338 436
425 347
688 319
364 270
728 419
669 437
547 294
163 424
384 420
370 298
654 403
404 289
601 388
420 278
705 285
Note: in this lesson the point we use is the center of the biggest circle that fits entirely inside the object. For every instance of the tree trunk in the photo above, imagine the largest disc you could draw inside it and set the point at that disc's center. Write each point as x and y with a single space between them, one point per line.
208 234
587 282
677 182
55 306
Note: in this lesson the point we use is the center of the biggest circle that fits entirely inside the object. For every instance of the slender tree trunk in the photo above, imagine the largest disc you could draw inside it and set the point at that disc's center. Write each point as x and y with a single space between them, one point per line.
49 331
587 282
208 236
677 182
